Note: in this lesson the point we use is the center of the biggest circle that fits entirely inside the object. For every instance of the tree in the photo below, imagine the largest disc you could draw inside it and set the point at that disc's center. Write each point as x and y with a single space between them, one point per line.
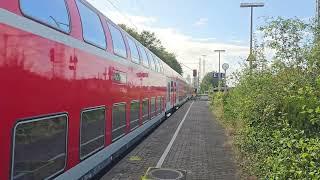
209 82
286 37
150 41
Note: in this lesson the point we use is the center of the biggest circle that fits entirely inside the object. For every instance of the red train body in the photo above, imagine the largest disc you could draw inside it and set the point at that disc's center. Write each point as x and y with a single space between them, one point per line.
55 76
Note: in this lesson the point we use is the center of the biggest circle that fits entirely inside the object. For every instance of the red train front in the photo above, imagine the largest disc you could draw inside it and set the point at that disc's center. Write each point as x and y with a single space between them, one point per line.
75 89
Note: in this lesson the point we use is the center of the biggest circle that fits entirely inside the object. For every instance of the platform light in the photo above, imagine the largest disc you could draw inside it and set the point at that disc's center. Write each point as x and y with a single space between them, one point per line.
219 51
261 4
251 6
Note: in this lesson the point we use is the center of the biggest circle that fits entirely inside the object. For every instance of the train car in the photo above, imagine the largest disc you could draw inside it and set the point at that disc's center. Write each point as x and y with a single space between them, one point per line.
76 90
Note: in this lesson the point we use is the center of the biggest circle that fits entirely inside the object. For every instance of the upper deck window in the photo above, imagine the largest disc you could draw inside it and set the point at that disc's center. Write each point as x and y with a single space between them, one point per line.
91 25
161 65
53 13
119 46
152 63
144 57
134 51
156 63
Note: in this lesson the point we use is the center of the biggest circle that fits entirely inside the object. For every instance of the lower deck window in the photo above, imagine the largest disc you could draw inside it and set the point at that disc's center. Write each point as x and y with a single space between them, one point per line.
163 104
159 104
134 114
153 106
39 147
92 131
118 121
145 110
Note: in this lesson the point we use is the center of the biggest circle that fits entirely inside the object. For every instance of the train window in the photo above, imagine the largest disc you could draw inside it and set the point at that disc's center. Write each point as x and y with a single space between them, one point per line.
162 68
39 147
91 25
118 121
119 47
162 103
92 131
153 66
145 110
134 114
134 51
157 63
42 11
172 88
160 65
144 57
153 106
159 104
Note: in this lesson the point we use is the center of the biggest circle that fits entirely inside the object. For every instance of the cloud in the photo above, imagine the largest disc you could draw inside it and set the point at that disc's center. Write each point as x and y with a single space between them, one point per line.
120 17
201 22
205 39
187 48
236 41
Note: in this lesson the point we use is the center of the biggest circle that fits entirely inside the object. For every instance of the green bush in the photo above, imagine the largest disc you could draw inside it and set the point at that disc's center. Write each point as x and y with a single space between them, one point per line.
278 106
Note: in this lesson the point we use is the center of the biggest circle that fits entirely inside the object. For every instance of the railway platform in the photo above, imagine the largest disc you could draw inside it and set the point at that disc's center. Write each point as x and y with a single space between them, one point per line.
190 141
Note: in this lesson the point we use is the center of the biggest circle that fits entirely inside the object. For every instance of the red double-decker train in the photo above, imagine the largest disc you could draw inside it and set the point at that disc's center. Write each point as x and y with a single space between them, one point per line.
76 90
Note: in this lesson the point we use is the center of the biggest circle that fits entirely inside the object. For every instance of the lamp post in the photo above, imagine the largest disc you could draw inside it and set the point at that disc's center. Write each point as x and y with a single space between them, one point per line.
251 6
318 12
199 74
204 64
219 51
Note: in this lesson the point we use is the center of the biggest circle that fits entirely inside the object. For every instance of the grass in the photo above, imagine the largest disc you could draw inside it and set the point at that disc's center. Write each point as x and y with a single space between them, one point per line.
231 133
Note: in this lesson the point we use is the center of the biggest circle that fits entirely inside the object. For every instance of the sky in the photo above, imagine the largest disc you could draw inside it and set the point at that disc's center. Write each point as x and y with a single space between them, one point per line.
192 28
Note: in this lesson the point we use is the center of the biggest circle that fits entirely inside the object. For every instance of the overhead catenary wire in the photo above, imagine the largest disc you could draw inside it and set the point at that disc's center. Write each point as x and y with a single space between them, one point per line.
186 66
121 13
191 63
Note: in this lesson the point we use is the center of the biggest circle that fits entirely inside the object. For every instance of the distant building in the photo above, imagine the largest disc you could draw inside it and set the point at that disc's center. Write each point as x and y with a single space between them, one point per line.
188 79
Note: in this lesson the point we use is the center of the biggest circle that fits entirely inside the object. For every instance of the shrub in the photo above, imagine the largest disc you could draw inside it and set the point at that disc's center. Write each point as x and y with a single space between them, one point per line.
278 106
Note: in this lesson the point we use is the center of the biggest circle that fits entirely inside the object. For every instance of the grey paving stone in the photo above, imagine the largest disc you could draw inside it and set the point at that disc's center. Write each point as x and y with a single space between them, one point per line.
149 150
199 148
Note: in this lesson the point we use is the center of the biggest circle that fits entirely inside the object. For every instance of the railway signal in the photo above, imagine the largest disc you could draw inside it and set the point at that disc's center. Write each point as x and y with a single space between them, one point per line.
194 73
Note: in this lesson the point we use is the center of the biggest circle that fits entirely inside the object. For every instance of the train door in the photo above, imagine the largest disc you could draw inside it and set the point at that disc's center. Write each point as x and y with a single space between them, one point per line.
168 96
172 93
176 93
